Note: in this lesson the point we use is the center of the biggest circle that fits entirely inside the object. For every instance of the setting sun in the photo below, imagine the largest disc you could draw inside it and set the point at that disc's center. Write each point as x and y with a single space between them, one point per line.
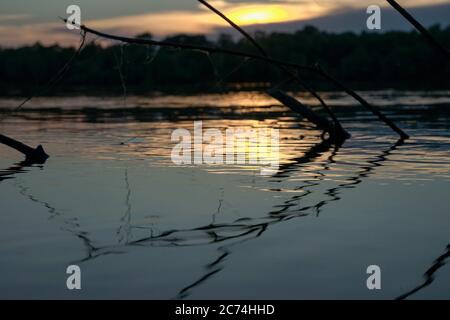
258 14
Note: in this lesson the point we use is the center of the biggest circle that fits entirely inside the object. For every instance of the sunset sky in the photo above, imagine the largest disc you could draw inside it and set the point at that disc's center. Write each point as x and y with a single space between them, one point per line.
25 22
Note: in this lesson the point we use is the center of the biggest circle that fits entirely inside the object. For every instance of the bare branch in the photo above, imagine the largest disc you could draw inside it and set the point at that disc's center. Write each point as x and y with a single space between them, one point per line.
425 33
234 25
314 69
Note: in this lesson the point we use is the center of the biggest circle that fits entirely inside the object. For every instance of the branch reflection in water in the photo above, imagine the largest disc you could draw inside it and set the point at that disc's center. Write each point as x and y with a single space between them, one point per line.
230 234
429 274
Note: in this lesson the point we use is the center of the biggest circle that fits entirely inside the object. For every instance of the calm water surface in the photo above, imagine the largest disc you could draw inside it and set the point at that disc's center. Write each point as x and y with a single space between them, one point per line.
110 200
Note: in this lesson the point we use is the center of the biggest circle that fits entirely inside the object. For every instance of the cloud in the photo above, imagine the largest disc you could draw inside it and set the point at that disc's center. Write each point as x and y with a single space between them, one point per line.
16 30
160 23
13 18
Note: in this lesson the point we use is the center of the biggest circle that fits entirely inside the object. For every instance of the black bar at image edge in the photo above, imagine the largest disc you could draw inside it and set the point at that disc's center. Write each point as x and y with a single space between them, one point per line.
227 309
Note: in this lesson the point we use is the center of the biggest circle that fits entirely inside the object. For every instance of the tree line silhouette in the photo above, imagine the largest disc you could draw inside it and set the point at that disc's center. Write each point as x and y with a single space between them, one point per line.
395 59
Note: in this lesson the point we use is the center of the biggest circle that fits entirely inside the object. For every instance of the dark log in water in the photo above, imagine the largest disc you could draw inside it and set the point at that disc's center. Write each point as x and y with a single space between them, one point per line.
336 132
33 155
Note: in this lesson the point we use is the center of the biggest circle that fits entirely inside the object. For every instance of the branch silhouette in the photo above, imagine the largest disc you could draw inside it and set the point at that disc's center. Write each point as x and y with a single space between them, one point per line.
32 155
425 33
314 69
429 274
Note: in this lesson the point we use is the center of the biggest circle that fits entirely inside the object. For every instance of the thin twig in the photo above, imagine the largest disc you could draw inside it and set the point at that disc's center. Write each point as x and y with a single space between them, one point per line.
425 33
234 25
58 76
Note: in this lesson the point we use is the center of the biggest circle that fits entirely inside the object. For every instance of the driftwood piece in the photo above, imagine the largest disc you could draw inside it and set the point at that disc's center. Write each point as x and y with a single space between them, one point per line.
336 133
32 155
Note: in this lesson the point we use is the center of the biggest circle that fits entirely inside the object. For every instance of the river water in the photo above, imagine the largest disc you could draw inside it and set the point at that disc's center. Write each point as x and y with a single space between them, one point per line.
110 200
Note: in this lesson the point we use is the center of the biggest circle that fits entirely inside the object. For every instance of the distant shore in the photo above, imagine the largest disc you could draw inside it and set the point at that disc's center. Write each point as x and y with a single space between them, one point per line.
365 61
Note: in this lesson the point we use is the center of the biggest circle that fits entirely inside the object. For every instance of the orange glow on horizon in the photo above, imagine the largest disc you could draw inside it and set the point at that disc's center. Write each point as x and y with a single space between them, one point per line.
258 14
